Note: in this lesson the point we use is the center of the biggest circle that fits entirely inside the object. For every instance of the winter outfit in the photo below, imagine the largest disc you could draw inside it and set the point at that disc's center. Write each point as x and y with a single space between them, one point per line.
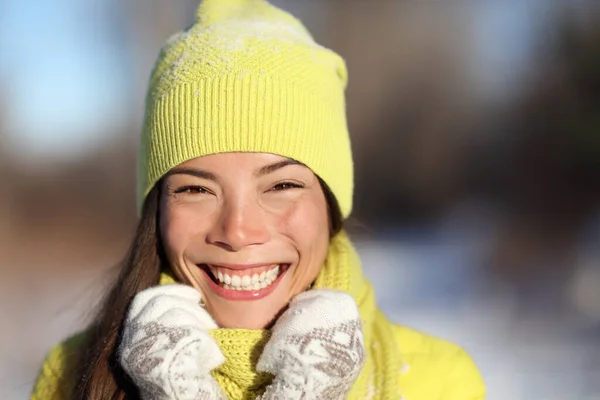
248 77
399 363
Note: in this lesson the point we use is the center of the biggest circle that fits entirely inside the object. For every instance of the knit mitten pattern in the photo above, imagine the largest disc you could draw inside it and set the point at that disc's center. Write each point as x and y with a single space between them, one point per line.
166 349
316 350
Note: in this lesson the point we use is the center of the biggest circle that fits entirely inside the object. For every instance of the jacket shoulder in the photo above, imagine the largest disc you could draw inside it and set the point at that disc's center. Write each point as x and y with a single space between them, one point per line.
51 383
436 369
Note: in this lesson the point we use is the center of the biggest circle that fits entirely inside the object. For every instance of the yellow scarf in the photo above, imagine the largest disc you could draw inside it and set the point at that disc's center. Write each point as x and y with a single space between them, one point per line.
342 271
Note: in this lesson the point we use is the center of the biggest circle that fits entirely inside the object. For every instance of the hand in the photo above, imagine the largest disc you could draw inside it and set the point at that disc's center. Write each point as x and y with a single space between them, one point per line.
316 350
166 348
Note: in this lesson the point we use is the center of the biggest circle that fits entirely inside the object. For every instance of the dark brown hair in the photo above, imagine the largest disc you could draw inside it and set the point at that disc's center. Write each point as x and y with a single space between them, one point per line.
97 373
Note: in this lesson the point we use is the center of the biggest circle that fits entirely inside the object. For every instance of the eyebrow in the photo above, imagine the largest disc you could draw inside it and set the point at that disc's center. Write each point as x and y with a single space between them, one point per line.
268 169
193 172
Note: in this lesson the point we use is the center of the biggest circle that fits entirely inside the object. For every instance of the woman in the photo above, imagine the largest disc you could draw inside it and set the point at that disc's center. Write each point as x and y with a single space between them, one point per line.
240 282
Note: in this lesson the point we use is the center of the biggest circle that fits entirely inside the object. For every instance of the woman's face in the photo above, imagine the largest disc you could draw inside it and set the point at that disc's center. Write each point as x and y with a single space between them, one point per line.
249 230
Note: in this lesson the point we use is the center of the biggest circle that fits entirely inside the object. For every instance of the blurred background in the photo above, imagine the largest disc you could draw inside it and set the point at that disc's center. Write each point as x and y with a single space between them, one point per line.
476 134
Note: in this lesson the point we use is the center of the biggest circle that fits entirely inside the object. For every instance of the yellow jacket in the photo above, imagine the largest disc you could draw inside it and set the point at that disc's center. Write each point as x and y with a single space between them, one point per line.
401 363
434 370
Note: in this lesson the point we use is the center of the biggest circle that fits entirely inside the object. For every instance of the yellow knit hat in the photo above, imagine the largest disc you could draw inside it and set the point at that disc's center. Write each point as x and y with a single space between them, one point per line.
247 77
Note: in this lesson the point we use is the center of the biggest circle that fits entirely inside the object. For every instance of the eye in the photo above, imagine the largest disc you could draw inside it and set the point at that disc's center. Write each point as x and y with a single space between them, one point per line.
286 186
190 190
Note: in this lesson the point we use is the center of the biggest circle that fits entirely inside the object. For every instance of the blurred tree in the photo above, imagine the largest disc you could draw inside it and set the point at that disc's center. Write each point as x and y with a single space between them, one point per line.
5 175
547 169
409 108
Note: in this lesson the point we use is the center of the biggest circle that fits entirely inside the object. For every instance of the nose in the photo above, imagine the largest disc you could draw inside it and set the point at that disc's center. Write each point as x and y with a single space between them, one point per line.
239 224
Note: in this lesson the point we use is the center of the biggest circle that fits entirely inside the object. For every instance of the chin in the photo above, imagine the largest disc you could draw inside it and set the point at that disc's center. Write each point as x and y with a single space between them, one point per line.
258 314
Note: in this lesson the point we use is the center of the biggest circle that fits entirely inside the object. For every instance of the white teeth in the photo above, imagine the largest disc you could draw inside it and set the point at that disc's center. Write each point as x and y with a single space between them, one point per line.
247 282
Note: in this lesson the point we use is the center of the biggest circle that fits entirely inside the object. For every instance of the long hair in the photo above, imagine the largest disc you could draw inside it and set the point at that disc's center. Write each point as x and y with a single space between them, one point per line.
97 373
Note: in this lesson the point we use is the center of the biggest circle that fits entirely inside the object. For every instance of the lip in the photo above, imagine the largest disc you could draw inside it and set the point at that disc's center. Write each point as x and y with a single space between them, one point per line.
242 295
241 267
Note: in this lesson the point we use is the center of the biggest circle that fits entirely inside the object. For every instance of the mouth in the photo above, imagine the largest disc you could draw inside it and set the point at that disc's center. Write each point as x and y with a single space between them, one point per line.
244 282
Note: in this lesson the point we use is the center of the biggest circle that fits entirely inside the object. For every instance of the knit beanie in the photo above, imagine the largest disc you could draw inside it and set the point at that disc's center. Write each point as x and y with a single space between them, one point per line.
247 77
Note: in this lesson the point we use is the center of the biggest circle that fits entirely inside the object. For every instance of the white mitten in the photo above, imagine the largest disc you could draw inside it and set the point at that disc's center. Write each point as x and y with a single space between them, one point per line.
166 348
316 350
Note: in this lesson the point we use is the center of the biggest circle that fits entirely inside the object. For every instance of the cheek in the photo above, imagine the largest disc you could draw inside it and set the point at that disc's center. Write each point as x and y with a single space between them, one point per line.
170 238
306 223
177 229
308 227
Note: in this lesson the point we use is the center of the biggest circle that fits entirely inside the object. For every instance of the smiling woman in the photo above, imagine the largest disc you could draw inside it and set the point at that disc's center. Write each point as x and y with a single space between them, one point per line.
248 230
240 282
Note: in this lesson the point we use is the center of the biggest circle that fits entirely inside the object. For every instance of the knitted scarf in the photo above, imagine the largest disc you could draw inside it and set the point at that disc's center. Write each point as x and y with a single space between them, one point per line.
342 271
